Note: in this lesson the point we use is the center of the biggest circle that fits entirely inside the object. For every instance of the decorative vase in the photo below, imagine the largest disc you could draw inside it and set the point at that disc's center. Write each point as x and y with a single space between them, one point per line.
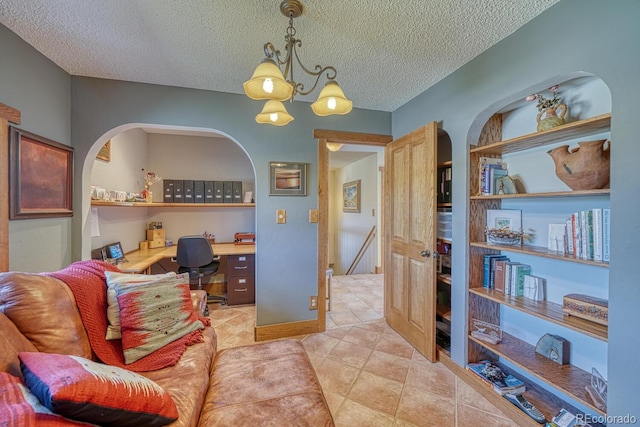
586 167
552 118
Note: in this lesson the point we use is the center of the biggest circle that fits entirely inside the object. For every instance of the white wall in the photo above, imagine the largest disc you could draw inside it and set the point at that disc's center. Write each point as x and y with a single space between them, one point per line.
350 229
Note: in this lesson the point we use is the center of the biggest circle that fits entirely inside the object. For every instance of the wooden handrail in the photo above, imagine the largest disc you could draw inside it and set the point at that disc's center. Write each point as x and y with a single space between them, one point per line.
362 250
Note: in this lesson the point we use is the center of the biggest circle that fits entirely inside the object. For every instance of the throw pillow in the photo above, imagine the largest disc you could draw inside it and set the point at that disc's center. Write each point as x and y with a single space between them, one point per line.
78 388
116 278
18 407
155 314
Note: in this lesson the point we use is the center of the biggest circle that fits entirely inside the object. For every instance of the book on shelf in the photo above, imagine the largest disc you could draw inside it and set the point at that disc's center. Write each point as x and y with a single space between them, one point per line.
535 288
498 275
596 214
606 222
444 185
484 166
494 175
508 283
494 376
489 268
517 278
569 236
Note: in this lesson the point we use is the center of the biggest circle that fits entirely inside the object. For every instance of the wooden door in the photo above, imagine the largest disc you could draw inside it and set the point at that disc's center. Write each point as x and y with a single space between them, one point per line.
410 238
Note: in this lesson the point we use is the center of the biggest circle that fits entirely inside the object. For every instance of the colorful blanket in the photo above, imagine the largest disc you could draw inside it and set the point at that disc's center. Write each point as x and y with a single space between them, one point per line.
87 281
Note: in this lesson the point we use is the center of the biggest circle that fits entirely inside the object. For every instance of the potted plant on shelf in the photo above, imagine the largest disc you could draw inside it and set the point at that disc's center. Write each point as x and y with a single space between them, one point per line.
549 108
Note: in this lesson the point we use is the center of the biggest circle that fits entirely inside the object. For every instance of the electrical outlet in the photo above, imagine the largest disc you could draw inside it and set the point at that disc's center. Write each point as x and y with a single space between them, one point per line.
281 216
313 215
313 303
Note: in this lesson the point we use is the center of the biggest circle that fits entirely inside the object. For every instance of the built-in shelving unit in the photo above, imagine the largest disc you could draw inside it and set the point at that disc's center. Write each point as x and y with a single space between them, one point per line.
485 304
171 205
443 275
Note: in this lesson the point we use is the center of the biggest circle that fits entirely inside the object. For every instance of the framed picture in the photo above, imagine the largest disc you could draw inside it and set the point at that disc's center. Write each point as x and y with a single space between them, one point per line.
504 219
105 152
351 196
287 179
40 176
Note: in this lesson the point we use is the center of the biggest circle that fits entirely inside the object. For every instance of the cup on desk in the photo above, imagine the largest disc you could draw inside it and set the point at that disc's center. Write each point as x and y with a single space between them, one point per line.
144 245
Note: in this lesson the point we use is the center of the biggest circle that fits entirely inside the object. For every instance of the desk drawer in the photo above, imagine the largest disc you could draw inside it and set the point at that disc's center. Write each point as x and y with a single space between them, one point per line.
240 265
241 290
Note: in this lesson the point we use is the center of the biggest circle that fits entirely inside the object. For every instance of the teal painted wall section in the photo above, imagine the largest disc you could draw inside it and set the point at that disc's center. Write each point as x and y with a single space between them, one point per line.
594 36
41 91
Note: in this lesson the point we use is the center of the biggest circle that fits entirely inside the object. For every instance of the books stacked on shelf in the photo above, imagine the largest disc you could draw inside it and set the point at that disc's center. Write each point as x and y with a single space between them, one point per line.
588 234
489 269
490 169
494 376
444 185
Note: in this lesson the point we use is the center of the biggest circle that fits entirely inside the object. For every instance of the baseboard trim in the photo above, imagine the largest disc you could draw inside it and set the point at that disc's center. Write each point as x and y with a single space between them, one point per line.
283 330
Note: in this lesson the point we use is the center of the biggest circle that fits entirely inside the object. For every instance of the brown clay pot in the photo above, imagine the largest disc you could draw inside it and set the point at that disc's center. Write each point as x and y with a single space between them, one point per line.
586 167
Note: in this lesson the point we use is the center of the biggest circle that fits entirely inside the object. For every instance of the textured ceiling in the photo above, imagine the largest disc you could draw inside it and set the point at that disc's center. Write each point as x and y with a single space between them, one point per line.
386 52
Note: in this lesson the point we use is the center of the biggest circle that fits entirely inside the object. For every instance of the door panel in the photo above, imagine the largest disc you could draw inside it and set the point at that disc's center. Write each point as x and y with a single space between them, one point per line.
410 212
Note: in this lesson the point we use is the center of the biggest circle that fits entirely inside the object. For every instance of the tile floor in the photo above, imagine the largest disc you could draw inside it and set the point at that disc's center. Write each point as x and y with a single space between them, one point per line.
370 375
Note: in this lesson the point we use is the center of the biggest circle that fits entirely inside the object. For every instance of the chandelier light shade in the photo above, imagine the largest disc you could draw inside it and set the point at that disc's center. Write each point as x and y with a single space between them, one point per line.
269 82
331 101
334 146
274 113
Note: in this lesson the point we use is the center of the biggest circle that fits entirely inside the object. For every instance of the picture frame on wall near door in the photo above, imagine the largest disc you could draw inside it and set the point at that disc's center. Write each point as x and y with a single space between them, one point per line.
351 196
287 179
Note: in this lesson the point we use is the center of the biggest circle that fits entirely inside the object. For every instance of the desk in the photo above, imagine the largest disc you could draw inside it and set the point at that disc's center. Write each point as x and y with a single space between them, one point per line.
140 261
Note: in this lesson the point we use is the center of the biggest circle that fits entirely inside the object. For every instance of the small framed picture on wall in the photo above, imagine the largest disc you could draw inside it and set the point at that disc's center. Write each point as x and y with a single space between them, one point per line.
287 179
351 196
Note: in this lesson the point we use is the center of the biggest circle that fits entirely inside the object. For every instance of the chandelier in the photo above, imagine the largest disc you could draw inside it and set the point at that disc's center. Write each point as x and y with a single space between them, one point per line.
268 81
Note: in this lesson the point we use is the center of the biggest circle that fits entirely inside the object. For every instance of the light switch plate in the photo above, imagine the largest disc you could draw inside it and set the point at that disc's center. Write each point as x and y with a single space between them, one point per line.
313 215
281 216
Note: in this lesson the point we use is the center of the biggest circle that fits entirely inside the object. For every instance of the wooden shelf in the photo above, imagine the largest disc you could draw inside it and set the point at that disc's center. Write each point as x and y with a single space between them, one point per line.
445 205
172 205
566 378
548 403
545 310
445 164
580 193
554 135
539 251
444 311
444 278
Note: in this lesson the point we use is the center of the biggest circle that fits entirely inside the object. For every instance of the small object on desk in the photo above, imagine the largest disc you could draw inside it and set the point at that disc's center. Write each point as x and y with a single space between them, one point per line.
168 243
486 331
245 238
144 245
155 225
156 238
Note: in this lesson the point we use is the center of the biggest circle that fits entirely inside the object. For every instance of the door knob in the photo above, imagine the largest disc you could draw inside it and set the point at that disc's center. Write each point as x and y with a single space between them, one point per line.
425 253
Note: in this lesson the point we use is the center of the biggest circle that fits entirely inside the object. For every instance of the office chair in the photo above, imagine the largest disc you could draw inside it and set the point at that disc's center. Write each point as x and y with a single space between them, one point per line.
195 256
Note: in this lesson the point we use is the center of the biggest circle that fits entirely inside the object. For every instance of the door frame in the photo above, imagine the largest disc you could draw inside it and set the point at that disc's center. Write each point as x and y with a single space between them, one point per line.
13 116
325 136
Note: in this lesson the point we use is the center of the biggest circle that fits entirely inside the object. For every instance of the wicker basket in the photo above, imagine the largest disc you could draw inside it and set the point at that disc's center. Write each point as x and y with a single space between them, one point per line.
499 236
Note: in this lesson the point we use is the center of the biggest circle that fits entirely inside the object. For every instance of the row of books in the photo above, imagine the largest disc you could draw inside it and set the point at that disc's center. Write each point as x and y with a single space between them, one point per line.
512 278
444 184
489 170
495 377
587 234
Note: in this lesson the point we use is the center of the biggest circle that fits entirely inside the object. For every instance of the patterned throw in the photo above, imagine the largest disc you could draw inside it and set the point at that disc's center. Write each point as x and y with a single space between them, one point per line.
87 281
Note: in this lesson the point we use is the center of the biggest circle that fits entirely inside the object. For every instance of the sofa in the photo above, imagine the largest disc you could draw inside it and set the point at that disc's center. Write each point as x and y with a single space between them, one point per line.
270 383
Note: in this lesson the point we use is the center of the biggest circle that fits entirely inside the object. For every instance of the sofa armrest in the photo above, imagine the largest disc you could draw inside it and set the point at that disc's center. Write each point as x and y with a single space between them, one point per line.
199 300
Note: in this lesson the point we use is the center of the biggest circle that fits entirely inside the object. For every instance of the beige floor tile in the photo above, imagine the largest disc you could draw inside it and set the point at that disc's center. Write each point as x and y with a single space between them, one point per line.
469 416
468 396
337 377
394 344
363 337
352 414
388 366
334 401
377 393
433 378
426 409
350 354
320 344
344 318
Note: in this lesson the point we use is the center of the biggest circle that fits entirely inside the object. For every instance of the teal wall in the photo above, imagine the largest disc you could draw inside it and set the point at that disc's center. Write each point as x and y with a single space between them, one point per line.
595 36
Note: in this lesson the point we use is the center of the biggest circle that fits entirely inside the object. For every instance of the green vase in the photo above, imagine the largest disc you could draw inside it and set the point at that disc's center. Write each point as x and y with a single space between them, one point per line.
552 117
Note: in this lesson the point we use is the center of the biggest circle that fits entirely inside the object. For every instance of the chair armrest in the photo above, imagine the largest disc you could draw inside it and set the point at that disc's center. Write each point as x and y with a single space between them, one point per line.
199 300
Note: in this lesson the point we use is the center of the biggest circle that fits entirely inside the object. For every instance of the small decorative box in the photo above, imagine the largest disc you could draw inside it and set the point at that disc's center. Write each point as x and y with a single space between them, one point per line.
586 307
